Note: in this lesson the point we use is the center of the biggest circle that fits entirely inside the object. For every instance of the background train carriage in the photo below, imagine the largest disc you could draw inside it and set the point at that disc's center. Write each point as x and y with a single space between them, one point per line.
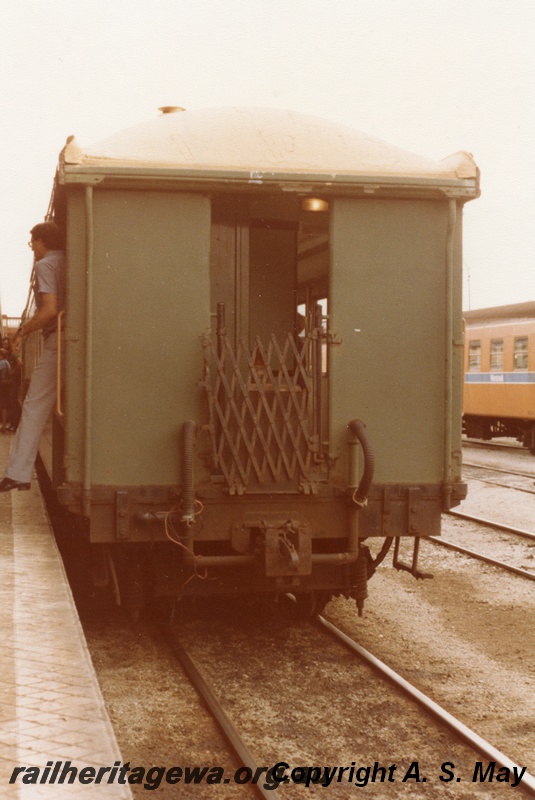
499 392
243 286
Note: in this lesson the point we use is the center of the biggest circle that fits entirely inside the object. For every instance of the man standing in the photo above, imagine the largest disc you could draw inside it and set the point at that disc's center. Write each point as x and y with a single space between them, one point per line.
49 288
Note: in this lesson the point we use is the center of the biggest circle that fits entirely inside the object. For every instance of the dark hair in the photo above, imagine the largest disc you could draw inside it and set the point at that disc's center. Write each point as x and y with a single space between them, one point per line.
49 234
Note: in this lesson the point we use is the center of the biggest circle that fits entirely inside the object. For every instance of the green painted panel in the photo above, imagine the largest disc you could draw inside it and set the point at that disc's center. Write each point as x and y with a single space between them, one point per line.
150 307
388 307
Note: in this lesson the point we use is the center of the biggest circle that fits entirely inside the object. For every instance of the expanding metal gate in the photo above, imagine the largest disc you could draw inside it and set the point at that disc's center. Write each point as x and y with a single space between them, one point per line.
265 410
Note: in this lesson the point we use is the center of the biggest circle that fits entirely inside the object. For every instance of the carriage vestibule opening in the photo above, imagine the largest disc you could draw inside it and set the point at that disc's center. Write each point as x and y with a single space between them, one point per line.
269 264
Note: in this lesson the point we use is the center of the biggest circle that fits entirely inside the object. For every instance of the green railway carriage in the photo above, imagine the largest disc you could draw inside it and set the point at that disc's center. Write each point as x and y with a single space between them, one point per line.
262 351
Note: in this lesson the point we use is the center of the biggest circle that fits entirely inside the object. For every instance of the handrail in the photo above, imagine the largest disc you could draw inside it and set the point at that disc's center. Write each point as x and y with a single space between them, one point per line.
88 353
59 410
448 355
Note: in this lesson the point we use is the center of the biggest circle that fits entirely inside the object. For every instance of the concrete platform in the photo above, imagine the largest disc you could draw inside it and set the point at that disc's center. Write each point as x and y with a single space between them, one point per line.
51 707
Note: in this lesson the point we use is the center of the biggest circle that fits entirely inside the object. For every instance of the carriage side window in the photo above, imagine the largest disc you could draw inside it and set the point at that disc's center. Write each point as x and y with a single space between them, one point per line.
474 356
520 355
496 355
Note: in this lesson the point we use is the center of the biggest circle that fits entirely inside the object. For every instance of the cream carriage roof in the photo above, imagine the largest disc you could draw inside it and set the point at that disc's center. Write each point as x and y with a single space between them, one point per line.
261 141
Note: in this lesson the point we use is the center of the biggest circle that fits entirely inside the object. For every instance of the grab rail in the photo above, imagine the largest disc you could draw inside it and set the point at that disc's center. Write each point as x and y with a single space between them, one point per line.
59 410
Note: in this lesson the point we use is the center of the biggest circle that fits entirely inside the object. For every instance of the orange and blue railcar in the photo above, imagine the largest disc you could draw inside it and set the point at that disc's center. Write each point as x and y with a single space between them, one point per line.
499 388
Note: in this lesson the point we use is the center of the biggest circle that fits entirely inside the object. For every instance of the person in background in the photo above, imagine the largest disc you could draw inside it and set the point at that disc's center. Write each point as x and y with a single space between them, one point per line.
5 390
15 362
49 289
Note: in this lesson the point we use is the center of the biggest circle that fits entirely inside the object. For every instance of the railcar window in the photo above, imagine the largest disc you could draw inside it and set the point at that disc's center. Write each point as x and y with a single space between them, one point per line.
496 355
521 352
474 356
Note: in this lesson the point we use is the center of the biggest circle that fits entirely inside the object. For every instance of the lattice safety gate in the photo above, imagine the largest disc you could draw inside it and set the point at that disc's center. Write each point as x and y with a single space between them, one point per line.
265 411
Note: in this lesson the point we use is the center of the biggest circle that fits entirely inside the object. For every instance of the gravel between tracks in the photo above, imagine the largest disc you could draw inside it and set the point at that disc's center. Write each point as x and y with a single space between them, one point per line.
465 637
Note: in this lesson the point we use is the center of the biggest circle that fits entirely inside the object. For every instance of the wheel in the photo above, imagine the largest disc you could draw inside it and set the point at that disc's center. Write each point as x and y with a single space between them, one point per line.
309 604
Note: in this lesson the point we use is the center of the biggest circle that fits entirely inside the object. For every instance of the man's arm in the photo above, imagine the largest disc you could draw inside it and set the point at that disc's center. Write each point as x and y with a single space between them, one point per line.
47 312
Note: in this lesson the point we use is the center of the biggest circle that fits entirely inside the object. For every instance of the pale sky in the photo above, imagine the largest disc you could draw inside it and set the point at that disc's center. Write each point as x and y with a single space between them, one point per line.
430 76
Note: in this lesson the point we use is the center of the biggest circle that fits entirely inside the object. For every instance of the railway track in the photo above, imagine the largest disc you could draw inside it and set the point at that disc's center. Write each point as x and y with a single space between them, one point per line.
524 573
184 721
494 445
462 731
441 542
228 729
513 473
492 524
529 475
474 473
245 756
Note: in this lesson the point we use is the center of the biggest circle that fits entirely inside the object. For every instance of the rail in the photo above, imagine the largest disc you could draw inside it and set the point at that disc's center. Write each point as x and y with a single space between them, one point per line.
497 525
480 557
462 731
459 728
227 728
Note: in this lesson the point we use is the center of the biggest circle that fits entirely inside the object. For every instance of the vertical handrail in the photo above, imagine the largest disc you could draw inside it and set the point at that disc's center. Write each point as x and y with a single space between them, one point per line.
88 361
448 398
59 410
221 333
316 372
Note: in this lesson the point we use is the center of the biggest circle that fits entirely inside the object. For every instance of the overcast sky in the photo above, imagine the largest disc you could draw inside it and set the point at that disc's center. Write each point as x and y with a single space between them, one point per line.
430 76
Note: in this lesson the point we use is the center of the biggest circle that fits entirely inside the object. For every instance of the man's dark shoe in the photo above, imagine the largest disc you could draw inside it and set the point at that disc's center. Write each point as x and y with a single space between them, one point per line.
8 484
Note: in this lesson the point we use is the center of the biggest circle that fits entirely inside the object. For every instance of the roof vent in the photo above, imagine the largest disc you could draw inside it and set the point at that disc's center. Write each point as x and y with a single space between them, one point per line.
171 109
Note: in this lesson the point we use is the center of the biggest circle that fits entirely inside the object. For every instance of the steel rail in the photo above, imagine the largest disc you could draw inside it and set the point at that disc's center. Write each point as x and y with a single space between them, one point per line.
504 472
497 469
504 486
228 729
491 524
491 444
459 728
480 557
